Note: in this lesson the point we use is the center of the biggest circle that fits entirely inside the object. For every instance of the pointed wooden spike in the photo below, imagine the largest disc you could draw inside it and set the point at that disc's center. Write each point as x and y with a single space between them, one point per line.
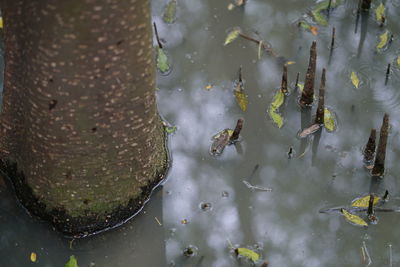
307 96
319 118
379 165
369 151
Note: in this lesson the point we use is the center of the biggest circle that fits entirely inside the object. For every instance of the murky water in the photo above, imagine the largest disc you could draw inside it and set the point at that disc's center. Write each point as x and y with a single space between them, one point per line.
284 225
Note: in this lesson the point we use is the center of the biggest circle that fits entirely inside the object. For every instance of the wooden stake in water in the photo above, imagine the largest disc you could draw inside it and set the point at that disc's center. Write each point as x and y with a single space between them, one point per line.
366 5
236 132
307 95
369 151
319 118
379 165
284 81
387 74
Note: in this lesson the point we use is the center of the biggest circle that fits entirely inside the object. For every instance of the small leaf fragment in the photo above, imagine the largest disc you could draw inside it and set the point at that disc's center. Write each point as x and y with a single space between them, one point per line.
162 60
220 141
232 35
241 99
314 30
380 13
248 253
278 100
33 257
260 49
208 87
329 120
398 61
72 262
300 86
170 129
354 79
1 23
319 18
363 202
170 12
353 219
231 6
383 41
304 25
290 62
276 117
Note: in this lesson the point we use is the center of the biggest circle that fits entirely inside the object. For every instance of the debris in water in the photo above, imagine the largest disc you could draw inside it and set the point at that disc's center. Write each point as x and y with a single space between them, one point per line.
307 95
384 40
366 5
33 257
363 202
241 97
330 122
284 88
257 187
163 64
370 212
319 118
369 152
290 153
379 165
310 130
366 259
158 221
190 251
205 206
72 262
184 221
387 74
390 256
380 14
232 35
221 140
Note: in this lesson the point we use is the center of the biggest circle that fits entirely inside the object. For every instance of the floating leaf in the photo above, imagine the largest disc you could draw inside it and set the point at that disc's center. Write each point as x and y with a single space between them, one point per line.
171 129
1 22
310 130
290 63
383 41
232 35
305 25
248 253
276 117
354 219
380 13
363 202
329 120
162 60
208 86
324 5
354 79
398 61
33 257
216 136
278 100
319 18
170 12
314 30
241 99
72 262
300 86
220 141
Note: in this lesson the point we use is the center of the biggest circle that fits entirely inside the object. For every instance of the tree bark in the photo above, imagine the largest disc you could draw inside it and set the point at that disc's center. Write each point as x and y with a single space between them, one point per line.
80 136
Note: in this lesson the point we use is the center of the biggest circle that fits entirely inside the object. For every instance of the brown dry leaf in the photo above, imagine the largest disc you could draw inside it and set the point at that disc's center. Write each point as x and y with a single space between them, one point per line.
314 30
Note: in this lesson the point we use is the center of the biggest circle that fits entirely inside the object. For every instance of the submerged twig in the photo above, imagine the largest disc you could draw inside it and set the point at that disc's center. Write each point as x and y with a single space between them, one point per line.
319 118
379 165
366 256
257 187
156 33
263 44
307 95
236 132
369 151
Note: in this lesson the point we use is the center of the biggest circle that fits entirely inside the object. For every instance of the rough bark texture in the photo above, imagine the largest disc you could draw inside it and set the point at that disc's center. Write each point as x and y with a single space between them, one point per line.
319 118
369 151
307 97
379 165
81 138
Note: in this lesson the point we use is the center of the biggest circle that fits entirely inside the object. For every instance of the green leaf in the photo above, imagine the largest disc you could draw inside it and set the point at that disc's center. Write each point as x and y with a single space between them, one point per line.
232 35
354 79
304 25
170 12
383 41
170 129
398 61
301 87
380 13
278 100
72 262
276 117
325 4
319 18
354 219
248 253
241 99
363 202
329 120
162 60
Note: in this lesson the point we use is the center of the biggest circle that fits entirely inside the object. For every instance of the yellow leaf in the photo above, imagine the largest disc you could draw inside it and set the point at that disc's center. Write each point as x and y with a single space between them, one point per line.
354 219
380 13
276 117
314 30
398 61
301 87
33 257
232 35
1 22
248 253
278 100
208 86
363 202
259 49
383 40
290 63
329 120
216 136
354 79
241 99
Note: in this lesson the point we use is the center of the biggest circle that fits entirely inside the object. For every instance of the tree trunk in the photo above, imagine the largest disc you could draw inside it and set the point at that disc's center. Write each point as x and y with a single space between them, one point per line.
80 138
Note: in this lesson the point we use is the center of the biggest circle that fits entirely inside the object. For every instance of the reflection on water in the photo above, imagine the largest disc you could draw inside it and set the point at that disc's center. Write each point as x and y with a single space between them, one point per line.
284 225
